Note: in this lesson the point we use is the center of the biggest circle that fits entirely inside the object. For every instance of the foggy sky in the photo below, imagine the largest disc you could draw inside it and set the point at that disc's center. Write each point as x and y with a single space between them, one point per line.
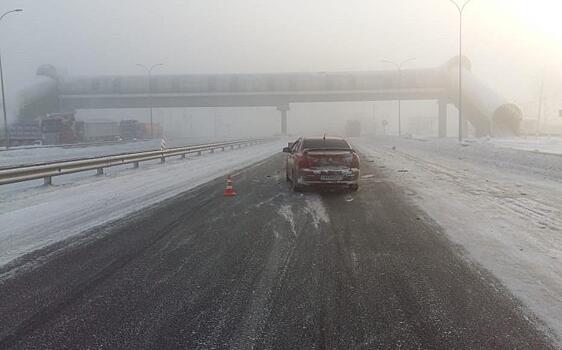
509 45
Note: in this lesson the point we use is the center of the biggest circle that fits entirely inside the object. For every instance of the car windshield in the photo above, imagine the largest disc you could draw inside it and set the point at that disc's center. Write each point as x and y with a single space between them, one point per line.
325 144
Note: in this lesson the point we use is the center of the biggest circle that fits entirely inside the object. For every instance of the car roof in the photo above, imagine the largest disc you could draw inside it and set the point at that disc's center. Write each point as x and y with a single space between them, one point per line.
323 138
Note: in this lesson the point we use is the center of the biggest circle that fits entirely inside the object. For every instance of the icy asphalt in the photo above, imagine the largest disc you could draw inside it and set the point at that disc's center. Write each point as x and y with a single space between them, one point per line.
33 216
502 206
266 269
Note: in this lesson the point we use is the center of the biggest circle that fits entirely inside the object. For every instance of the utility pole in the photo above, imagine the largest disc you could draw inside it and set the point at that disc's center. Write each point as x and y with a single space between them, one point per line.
149 72
398 66
215 122
461 11
374 119
541 98
6 131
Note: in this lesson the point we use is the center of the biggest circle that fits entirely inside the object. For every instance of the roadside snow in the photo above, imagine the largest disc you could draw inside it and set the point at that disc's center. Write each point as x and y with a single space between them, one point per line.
41 216
502 206
541 145
19 156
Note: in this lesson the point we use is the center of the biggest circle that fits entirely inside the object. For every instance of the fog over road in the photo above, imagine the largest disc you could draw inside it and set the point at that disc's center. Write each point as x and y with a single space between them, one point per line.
266 269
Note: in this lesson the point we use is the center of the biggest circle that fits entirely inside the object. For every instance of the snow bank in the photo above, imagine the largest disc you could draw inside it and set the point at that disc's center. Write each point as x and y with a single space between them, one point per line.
507 215
43 216
541 145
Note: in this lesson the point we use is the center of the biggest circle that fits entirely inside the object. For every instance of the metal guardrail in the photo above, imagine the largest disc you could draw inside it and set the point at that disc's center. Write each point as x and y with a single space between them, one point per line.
48 170
70 145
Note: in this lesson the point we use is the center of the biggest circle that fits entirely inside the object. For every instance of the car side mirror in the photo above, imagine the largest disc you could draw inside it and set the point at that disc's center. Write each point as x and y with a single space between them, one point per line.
286 150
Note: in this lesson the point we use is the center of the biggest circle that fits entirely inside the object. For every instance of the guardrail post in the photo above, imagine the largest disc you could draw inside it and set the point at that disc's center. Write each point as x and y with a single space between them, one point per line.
212 150
100 171
231 146
199 153
183 156
47 181
135 165
163 159
223 149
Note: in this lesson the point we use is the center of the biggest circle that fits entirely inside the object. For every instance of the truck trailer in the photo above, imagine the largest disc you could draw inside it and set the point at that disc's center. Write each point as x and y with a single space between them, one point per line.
100 130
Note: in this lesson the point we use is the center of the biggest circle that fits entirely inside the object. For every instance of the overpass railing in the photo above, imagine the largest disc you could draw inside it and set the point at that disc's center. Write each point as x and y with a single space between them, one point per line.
46 171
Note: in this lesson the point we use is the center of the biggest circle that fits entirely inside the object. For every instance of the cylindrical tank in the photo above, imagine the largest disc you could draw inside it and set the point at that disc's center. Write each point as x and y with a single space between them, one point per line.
489 112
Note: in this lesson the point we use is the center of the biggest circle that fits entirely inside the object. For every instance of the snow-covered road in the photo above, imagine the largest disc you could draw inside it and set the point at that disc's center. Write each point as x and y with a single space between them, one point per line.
39 216
502 206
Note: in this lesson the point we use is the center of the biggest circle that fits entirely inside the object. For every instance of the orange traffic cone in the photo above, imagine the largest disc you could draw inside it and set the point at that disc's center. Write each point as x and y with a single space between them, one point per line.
229 191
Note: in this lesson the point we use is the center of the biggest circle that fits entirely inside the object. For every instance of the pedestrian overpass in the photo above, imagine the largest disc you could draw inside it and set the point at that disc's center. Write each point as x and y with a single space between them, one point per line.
486 110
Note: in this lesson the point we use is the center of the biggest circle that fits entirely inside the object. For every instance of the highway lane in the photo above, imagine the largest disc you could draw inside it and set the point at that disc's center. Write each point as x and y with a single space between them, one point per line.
266 269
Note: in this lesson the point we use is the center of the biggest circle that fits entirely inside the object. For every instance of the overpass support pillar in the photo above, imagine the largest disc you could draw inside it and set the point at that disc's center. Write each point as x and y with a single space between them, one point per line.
464 127
283 109
442 118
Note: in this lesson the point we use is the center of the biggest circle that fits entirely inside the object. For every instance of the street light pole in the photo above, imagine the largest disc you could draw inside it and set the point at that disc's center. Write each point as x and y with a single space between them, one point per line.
6 132
461 11
398 66
539 114
149 72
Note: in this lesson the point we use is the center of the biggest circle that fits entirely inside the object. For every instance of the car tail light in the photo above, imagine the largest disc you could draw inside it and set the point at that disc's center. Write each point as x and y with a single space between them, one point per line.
355 161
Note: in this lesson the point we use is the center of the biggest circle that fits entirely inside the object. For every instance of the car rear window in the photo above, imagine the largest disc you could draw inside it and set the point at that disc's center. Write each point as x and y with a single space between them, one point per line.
325 143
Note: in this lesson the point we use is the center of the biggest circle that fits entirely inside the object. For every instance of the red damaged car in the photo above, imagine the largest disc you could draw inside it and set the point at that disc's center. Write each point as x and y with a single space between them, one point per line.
322 161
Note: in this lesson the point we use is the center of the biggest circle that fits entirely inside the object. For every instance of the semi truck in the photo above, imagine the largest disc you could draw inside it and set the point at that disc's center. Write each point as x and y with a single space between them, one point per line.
99 130
22 133
133 129
58 128
63 128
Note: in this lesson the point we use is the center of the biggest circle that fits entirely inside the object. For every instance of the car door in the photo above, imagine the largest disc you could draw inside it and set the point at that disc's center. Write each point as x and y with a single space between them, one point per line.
291 159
